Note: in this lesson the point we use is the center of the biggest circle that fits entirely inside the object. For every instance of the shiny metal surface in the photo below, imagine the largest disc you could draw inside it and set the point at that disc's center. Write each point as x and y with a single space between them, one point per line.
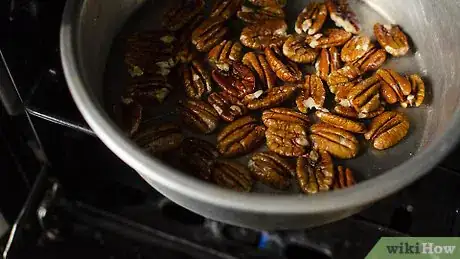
87 33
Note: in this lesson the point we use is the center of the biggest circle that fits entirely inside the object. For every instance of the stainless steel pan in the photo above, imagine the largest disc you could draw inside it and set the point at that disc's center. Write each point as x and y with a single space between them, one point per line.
92 67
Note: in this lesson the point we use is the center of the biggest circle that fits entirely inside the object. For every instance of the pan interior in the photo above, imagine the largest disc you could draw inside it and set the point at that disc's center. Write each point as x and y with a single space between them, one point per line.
424 125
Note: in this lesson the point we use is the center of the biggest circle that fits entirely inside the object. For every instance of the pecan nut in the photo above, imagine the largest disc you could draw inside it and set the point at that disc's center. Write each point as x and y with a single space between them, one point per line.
365 97
346 75
287 131
371 61
240 137
342 91
350 112
197 156
199 116
392 39
311 19
227 106
223 54
344 178
150 52
271 169
264 34
178 16
209 33
197 80
387 130
239 81
341 122
327 62
258 63
270 98
284 69
232 175
337 142
298 51
251 15
147 90
343 16
417 95
395 87
312 95
226 8
286 120
356 48
315 176
266 3
159 139
331 38
286 143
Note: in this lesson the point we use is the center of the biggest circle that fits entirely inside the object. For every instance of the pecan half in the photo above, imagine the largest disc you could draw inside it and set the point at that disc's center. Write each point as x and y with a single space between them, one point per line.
286 134
337 142
159 139
284 69
344 178
341 122
182 14
315 176
311 19
240 137
131 117
306 176
327 62
371 61
331 38
265 3
395 85
365 97
226 8
343 16
270 98
271 169
312 95
227 106
387 130
199 116
266 33
239 81
417 95
296 49
345 75
150 52
209 33
197 80
286 120
259 64
392 39
223 54
351 113
147 90
356 48
342 91
286 143
232 175
251 15
197 156
345 111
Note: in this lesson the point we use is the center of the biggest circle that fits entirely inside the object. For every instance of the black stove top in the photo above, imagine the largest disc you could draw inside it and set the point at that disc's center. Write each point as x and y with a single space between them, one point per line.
82 200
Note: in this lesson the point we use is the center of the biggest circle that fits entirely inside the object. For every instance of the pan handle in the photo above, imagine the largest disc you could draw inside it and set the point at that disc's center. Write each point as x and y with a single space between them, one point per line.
8 91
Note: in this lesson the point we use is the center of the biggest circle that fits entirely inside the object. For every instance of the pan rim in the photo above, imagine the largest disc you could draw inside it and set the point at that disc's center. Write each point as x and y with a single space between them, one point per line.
361 194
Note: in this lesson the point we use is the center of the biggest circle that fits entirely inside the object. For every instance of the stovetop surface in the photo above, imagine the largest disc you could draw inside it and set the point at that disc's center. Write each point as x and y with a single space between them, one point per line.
104 208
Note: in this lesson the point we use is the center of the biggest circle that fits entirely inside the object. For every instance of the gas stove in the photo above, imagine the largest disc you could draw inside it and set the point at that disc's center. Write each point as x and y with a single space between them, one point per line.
73 197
